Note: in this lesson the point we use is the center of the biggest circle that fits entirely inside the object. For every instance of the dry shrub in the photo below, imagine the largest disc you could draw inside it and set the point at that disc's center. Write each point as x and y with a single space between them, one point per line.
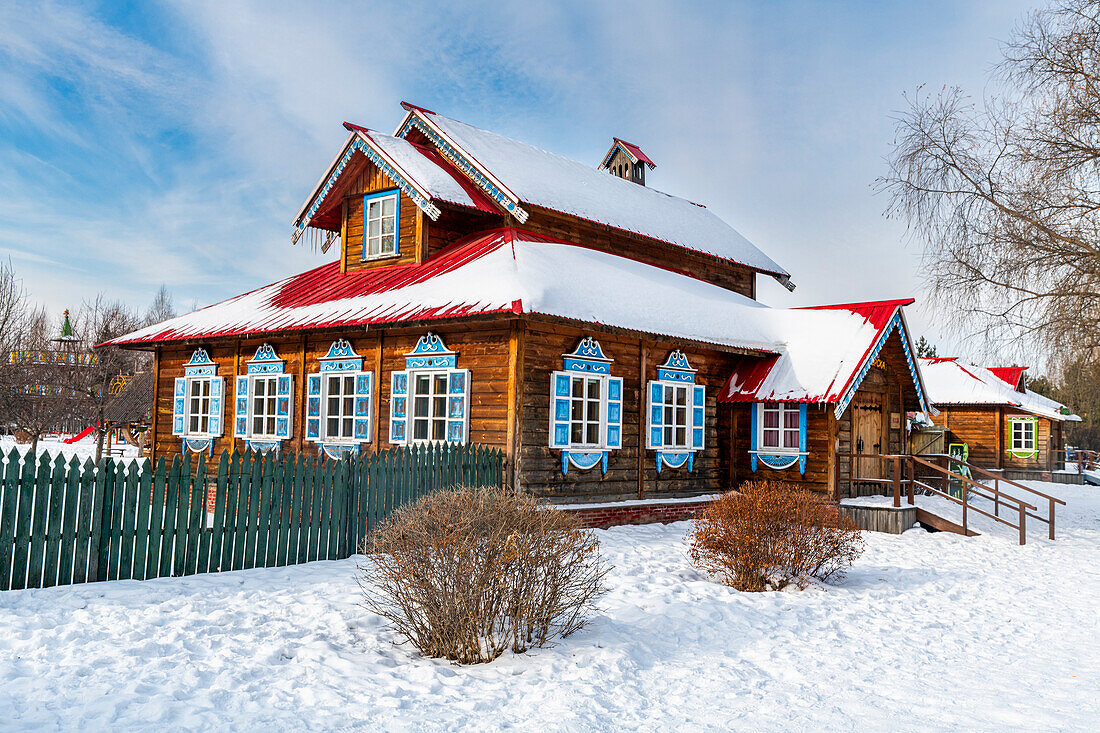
469 573
769 535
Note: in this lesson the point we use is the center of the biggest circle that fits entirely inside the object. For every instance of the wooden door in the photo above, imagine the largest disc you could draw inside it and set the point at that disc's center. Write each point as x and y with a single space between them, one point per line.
867 416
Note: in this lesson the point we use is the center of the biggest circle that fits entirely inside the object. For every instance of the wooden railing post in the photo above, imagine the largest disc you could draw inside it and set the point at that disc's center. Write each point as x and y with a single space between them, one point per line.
1051 517
1023 524
897 482
911 471
996 497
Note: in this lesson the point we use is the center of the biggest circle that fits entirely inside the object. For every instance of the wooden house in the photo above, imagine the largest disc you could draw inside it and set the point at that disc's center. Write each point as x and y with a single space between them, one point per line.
990 409
604 334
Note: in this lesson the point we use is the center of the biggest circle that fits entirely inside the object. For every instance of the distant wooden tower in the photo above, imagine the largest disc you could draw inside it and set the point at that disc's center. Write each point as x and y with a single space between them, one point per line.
626 160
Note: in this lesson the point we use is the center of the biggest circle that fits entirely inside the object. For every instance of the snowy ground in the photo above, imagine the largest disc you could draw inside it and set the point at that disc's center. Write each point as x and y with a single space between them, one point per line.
928 632
55 446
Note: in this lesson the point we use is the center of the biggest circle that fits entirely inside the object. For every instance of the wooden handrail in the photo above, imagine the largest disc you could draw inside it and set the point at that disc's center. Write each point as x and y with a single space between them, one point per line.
968 485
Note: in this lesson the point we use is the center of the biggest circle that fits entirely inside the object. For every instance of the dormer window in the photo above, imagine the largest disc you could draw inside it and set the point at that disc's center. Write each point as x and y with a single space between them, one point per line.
381 215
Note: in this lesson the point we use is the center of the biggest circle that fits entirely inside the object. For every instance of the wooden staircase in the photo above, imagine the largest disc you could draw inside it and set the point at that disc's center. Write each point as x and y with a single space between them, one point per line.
957 481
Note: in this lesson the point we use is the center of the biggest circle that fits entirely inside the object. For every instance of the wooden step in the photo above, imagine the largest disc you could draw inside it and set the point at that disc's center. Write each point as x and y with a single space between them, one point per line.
937 522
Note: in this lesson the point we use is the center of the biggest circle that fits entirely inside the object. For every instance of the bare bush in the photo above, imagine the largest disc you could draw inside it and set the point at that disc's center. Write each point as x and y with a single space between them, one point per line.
469 573
769 535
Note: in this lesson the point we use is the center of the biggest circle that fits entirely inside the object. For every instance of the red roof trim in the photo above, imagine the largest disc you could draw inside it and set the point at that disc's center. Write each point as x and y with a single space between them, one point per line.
635 152
409 107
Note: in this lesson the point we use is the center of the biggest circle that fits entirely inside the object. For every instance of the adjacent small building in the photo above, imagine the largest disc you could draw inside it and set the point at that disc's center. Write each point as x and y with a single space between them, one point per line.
990 409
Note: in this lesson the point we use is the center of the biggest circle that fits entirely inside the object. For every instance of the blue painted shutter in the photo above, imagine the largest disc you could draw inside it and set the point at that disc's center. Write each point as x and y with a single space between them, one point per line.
698 412
802 437
655 439
179 407
614 412
217 393
364 389
559 409
313 407
240 423
458 407
284 406
754 430
399 408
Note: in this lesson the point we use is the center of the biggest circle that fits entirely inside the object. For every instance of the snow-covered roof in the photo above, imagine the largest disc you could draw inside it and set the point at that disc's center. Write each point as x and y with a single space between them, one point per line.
825 354
811 354
523 174
953 382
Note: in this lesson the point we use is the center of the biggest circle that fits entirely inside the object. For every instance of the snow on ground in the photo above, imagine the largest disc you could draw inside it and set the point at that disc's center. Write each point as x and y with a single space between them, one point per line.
54 446
927 632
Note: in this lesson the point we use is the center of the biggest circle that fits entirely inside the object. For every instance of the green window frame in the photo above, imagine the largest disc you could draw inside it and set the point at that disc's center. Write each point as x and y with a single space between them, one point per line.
1023 437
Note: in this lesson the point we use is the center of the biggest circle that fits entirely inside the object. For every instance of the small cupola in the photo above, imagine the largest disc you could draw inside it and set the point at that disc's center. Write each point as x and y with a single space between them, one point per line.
626 160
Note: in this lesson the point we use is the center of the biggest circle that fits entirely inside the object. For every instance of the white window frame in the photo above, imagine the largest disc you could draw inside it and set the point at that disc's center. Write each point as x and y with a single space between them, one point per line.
270 399
188 414
432 375
688 391
783 409
601 411
346 400
367 201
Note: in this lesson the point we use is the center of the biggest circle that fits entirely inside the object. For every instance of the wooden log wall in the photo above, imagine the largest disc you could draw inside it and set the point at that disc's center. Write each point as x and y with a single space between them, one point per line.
987 430
482 348
632 472
411 228
818 444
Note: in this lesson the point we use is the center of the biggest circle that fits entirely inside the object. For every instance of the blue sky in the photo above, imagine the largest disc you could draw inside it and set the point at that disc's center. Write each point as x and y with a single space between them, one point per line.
149 143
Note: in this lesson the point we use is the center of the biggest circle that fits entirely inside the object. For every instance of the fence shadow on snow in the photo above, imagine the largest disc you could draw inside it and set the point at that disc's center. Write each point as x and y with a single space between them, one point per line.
66 522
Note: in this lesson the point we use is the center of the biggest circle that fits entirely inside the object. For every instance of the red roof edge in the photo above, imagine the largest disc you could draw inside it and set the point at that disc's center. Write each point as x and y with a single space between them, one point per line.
635 151
352 127
1009 375
409 107
860 306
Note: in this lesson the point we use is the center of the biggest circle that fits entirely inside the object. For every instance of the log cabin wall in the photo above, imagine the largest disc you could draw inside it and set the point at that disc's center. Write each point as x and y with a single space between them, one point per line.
483 348
632 472
820 437
411 225
979 427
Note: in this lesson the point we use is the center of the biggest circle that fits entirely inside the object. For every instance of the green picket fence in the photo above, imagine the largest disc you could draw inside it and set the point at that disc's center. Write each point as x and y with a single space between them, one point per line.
66 522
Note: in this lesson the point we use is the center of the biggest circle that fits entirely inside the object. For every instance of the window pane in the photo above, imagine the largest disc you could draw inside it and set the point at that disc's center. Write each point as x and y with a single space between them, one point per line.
771 418
374 228
387 206
333 424
790 418
669 434
420 429
790 439
594 389
593 411
375 209
420 407
387 225
439 428
770 438
681 436
576 410
578 387
439 406
576 432
593 434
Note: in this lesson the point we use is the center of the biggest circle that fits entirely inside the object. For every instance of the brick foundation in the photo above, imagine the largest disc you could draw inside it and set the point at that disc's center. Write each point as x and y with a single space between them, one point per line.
604 516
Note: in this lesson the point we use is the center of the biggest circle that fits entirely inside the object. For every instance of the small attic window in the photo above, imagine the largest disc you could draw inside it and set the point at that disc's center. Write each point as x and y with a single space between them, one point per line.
380 224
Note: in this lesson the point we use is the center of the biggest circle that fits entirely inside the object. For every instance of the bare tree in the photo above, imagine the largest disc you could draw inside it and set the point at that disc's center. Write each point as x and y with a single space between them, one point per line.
162 307
98 321
1006 192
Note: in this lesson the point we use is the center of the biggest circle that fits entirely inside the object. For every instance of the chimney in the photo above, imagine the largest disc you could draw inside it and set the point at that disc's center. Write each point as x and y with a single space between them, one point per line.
627 161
